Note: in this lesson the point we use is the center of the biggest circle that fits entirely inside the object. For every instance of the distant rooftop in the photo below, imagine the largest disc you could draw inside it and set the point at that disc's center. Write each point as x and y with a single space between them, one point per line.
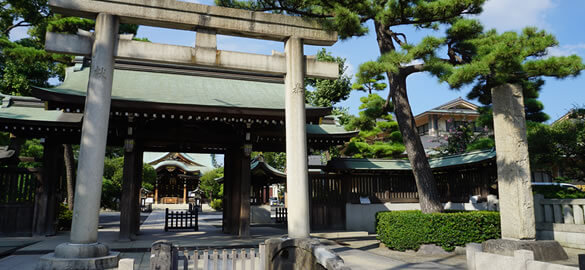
404 165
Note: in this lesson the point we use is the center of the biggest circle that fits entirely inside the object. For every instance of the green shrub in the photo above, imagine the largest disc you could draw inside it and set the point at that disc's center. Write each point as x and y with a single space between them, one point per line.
558 192
216 204
64 218
402 230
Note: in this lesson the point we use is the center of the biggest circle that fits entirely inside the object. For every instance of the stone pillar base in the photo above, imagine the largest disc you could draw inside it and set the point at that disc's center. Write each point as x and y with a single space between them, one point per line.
544 250
300 253
79 256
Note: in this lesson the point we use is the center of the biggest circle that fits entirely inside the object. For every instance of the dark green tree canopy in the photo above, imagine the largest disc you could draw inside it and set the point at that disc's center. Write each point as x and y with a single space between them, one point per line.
24 63
513 58
326 93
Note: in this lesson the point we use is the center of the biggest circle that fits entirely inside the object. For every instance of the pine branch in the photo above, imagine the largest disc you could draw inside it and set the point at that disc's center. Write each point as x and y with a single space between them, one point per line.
395 37
410 69
453 57
19 24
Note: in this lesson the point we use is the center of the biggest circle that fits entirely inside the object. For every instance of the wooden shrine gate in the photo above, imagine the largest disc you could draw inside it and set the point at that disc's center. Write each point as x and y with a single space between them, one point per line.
327 201
17 199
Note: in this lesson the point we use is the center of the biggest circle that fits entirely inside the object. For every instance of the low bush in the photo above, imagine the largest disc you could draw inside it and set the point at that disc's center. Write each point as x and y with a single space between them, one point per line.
216 204
64 218
402 230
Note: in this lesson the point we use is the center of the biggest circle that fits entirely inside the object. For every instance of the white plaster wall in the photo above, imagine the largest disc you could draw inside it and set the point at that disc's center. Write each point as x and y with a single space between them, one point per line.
260 214
566 239
362 217
522 260
442 124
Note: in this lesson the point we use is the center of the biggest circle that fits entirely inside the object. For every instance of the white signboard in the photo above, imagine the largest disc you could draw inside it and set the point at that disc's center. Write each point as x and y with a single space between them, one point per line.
365 200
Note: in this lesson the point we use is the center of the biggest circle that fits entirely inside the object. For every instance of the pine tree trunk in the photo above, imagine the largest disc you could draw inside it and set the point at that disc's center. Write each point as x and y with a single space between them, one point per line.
428 194
69 171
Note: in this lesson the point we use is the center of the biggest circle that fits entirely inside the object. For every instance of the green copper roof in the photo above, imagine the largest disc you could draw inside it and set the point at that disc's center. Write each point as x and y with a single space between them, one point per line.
325 129
398 165
145 86
32 110
255 163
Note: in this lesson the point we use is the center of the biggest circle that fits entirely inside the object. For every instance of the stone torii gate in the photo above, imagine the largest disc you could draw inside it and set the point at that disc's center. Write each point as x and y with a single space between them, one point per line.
104 46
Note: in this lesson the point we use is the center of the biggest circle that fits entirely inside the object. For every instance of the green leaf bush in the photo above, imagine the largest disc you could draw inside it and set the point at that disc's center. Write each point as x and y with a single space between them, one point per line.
216 204
403 230
64 218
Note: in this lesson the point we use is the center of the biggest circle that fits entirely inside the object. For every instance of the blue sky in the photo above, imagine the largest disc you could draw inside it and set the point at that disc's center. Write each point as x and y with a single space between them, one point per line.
563 18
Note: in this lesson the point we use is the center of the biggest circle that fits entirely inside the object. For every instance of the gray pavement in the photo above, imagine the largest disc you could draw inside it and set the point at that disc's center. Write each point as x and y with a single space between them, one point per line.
28 249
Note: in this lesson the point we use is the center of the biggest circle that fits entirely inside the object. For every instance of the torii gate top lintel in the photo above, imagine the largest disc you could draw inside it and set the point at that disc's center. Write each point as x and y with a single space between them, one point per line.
190 16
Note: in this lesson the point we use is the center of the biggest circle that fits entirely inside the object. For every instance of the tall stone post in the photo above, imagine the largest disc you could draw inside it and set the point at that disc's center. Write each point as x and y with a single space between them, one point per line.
514 185
297 178
84 252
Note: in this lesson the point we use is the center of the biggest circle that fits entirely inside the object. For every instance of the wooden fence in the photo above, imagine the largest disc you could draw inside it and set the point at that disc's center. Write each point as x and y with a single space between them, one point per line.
18 184
327 201
454 184
181 220
281 215
17 197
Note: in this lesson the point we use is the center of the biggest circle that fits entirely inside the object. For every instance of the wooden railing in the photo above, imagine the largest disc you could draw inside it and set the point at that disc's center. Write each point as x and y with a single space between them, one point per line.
181 220
17 185
281 215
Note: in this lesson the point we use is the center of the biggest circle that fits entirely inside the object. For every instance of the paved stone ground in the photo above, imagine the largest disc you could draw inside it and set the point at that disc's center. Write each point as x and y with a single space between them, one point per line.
455 260
358 251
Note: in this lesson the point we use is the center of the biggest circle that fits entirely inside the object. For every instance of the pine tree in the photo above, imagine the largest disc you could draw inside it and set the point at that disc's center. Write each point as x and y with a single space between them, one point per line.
379 136
350 18
512 58
325 93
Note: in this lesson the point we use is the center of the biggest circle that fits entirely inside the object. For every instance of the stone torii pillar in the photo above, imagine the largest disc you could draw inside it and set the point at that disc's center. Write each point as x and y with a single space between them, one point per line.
83 251
297 178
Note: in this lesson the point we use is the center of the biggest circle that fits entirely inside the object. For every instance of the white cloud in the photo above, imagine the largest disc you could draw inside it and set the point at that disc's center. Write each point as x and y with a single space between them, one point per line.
505 15
566 50
414 62
349 69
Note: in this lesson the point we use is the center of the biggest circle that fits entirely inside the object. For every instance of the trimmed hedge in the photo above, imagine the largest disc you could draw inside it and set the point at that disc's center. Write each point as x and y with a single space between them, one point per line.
402 230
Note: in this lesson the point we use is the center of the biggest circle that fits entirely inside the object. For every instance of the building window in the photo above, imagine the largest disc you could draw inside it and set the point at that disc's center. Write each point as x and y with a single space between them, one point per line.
453 125
423 129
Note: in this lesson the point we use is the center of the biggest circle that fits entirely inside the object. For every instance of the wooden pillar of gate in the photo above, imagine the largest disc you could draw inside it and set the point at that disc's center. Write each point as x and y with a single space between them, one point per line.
129 186
138 166
244 218
236 191
228 180
45 209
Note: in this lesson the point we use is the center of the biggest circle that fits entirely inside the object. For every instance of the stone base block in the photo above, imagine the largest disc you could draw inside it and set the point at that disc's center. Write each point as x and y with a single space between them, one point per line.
79 256
307 253
50 262
544 250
